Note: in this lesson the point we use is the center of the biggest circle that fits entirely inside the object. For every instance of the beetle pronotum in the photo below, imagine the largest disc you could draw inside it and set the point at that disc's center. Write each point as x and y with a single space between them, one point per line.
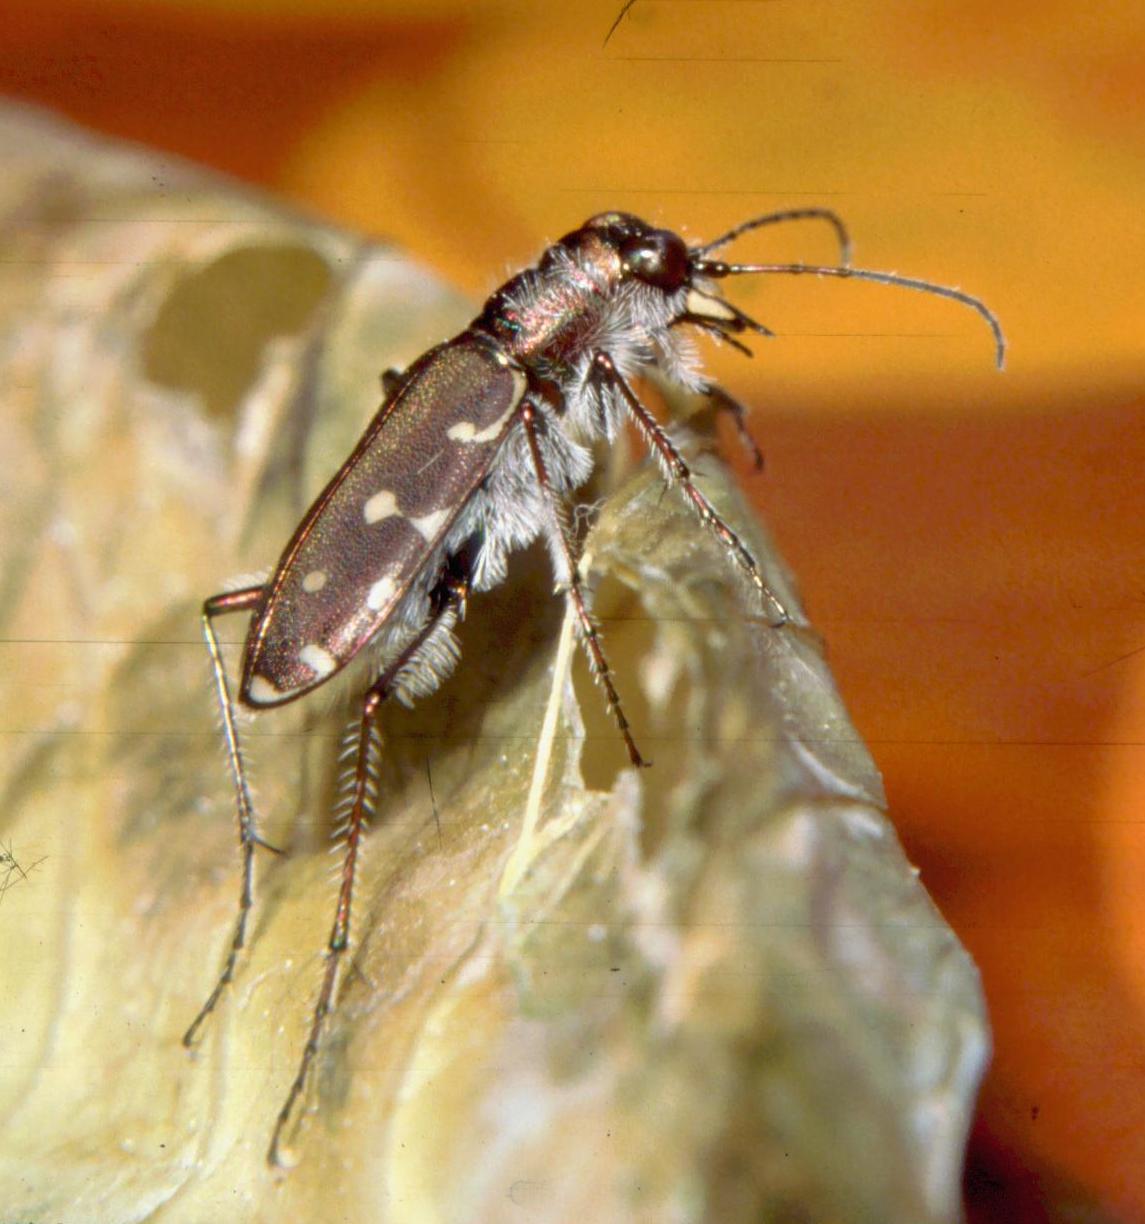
470 457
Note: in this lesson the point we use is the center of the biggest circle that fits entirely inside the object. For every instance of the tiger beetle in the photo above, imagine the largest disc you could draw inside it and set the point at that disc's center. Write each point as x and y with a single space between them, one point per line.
472 456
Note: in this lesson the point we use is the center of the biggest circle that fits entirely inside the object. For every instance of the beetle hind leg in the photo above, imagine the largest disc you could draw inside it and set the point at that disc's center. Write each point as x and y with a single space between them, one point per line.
415 671
219 605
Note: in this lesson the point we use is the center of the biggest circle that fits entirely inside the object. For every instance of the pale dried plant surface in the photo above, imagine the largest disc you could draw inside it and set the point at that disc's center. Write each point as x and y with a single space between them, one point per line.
710 991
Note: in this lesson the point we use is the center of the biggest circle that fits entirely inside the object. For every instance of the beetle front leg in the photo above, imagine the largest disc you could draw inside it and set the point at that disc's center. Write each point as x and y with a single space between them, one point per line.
677 470
725 402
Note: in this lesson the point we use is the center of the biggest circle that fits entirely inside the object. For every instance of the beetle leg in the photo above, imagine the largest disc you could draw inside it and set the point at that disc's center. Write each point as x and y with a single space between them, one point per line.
725 402
673 462
361 801
219 605
590 635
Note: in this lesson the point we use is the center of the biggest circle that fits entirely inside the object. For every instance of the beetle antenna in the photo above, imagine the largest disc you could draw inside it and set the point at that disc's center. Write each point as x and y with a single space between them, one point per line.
786 214
716 268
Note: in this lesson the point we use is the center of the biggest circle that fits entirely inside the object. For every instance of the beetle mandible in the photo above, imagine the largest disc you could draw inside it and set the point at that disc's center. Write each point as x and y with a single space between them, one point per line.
472 456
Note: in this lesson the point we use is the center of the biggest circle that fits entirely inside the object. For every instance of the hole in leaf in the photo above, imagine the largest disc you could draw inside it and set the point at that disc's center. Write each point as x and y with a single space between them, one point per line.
210 334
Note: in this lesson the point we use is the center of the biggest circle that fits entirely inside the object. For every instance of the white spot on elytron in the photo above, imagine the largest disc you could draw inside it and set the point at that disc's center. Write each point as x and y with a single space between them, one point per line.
317 658
381 593
707 307
429 524
263 692
380 506
466 431
314 581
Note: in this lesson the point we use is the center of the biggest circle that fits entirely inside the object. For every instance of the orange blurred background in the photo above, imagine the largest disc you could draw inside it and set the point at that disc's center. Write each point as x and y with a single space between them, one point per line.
970 544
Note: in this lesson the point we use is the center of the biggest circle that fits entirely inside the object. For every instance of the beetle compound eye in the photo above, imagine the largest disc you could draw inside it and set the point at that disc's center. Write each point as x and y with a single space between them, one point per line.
658 258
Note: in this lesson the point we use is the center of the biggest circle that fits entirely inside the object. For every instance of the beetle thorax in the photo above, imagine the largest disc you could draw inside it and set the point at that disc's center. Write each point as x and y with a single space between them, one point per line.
559 309
576 302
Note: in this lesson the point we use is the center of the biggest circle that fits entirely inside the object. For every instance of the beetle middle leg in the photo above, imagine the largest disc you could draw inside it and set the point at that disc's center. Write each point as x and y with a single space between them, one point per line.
604 369
359 803
590 635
